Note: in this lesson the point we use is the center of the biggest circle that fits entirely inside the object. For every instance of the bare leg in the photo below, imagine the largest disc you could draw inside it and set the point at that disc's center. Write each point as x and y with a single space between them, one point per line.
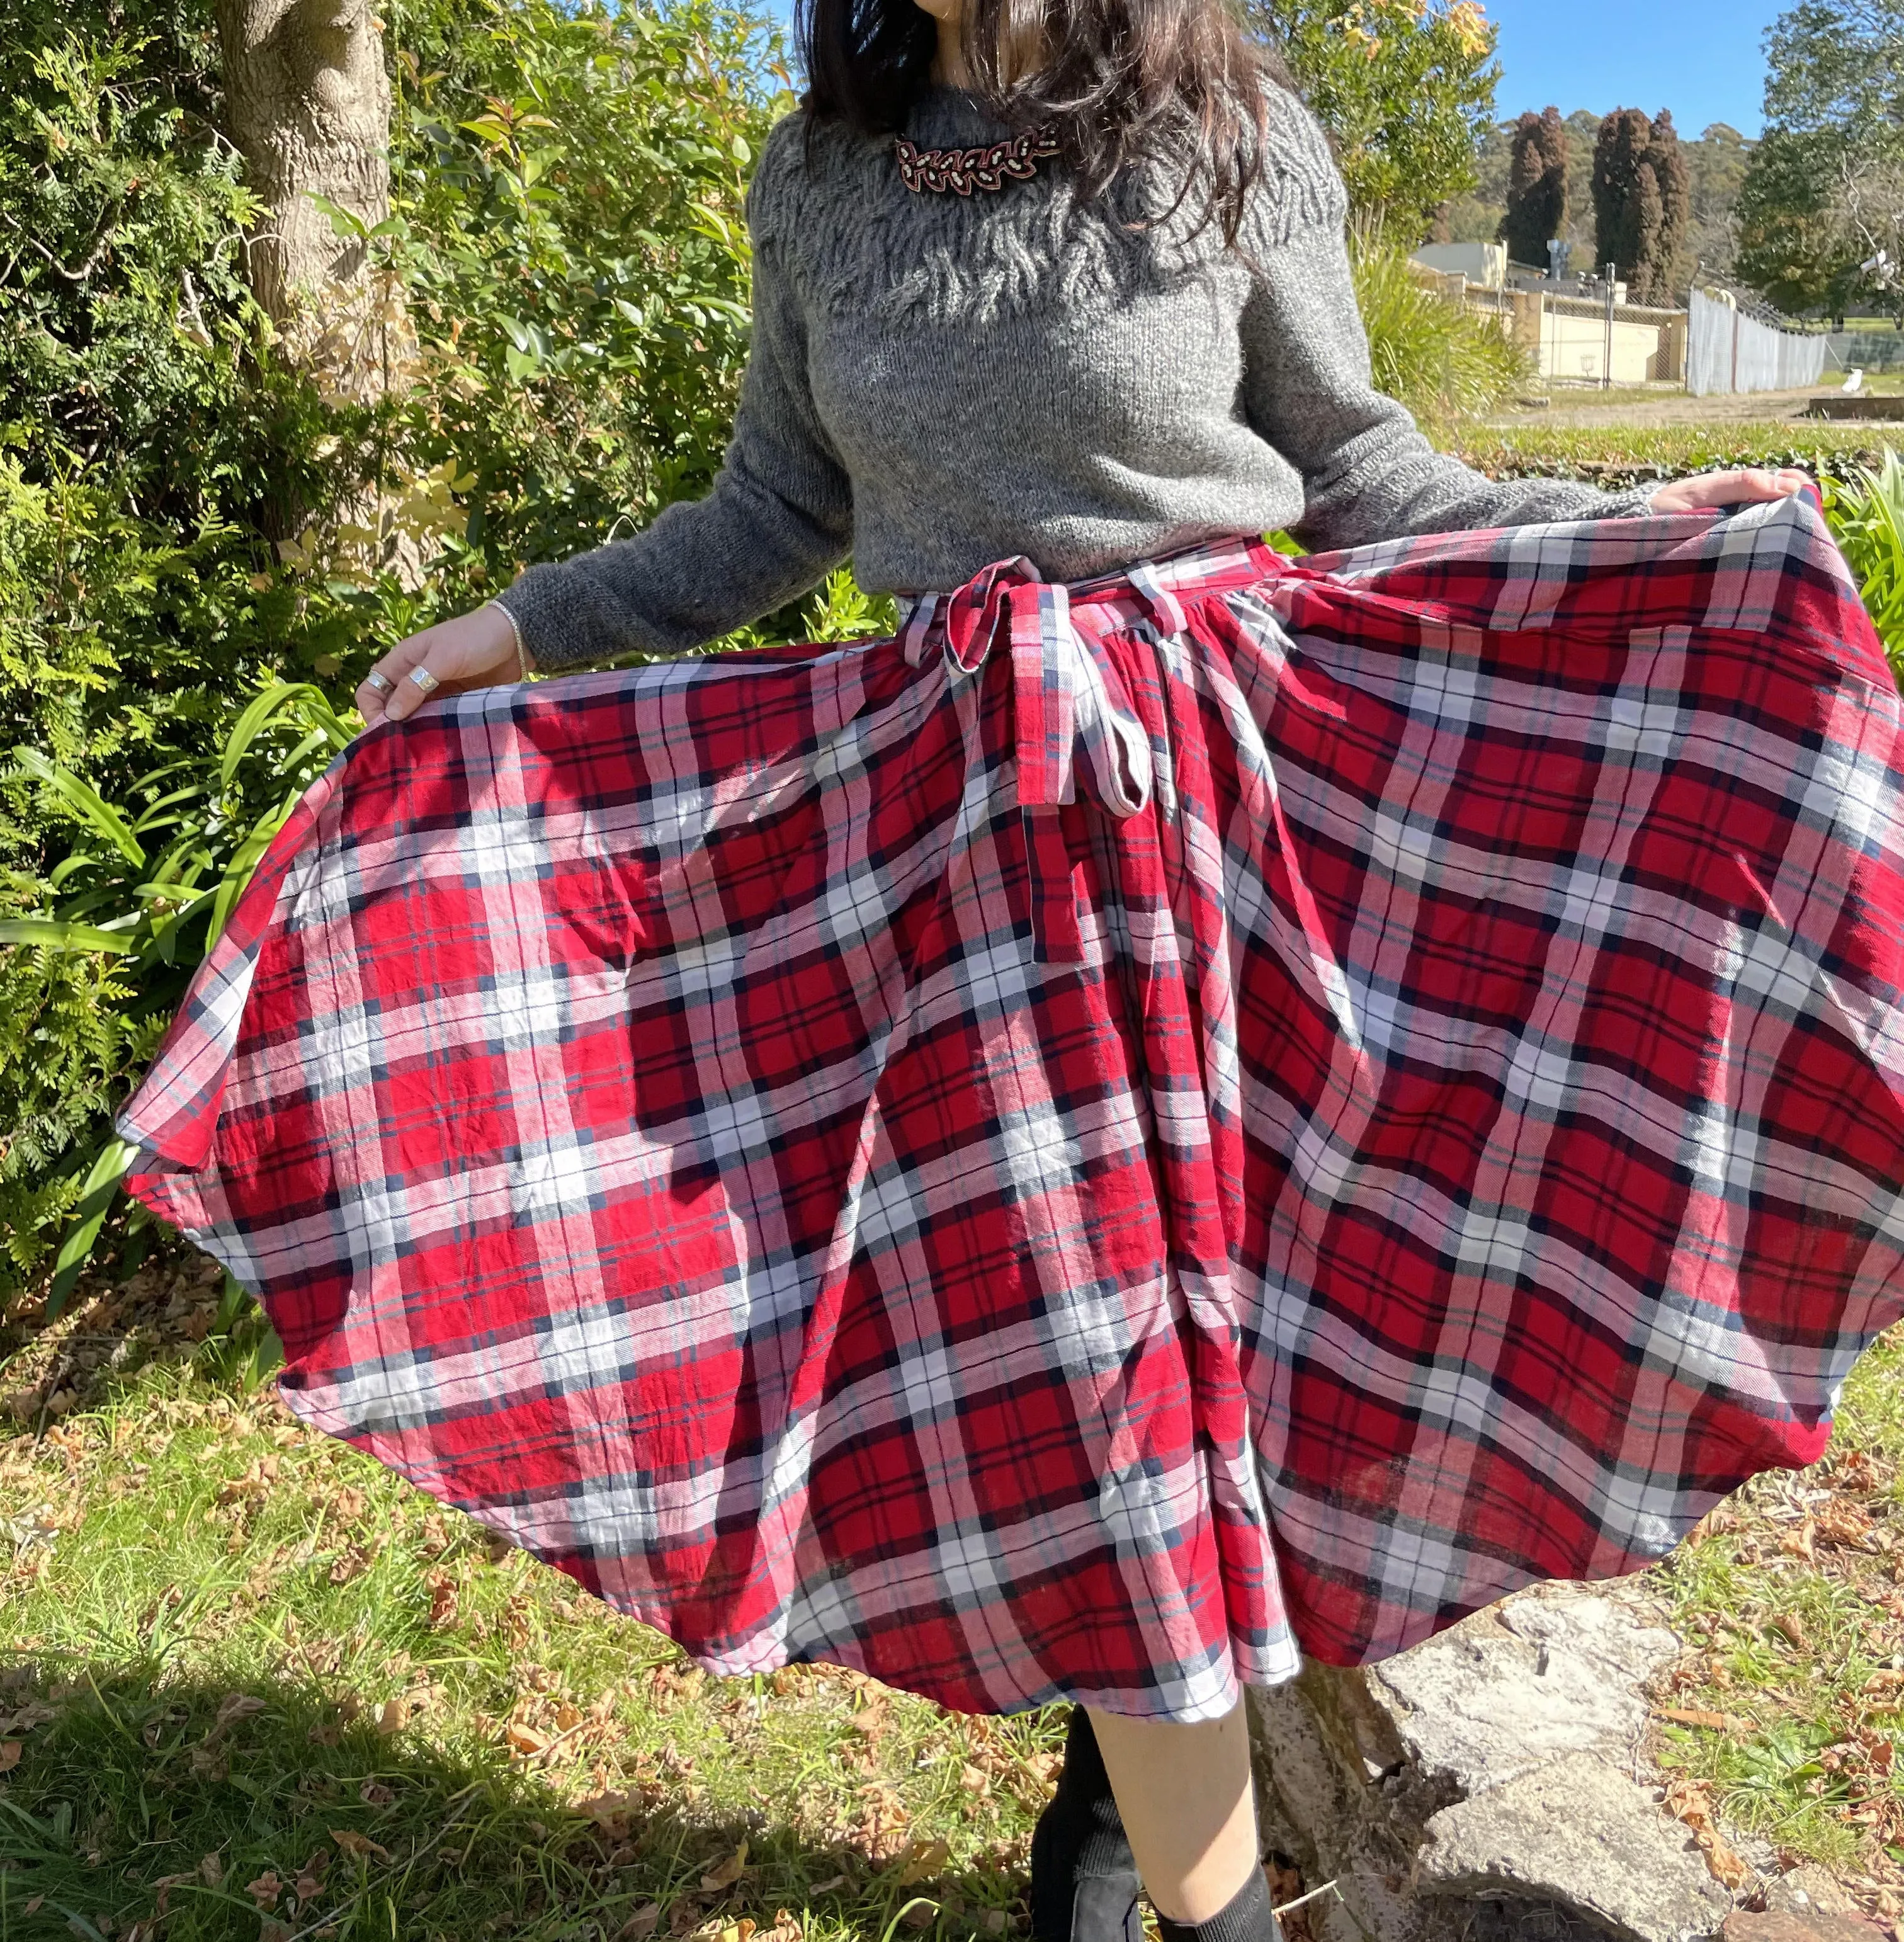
1188 1806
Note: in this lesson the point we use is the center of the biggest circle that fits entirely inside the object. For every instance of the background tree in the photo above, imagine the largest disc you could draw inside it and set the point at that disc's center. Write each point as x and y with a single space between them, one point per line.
1536 211
1641 203
1812 207
1405 88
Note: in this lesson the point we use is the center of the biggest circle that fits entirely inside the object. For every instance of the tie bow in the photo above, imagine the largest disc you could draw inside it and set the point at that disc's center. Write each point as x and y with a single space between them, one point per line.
1066 690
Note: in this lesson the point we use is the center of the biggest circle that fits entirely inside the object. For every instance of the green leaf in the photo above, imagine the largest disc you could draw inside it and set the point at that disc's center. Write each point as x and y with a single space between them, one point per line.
55 934
85 802
252 721
237 872
96 1194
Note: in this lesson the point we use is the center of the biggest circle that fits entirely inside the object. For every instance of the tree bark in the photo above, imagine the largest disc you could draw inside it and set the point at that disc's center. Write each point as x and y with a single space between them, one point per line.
308 104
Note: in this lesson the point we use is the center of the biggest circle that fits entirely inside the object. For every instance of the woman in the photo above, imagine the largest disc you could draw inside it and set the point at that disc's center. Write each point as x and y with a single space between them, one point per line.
1073 1170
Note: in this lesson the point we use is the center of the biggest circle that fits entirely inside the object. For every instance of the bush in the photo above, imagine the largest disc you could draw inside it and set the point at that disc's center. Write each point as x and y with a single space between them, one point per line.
566 202
1441 360
1866 512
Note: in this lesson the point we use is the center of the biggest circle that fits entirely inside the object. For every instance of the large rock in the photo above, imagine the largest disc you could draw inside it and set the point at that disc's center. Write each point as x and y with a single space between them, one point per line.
1483 1786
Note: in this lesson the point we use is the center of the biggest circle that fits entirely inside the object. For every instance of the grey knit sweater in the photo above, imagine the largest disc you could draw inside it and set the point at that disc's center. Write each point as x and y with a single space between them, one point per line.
937 382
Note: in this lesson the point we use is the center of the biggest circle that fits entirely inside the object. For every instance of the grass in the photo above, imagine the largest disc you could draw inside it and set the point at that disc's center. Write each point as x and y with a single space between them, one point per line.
1790 1706
1673 451
256 1688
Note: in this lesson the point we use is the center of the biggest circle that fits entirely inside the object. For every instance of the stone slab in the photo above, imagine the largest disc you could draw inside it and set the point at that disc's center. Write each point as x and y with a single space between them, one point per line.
1783 1926
1547 1677
1576 1833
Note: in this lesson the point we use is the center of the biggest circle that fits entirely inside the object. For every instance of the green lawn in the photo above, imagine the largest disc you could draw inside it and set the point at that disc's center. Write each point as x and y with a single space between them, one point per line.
1792 1594
1670 451
252 1679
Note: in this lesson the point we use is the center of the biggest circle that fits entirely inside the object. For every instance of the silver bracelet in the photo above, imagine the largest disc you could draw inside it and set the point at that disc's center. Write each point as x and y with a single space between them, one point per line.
515 628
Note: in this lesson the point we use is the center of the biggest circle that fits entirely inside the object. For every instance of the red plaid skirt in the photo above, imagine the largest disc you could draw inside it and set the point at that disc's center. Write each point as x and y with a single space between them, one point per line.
1124 1133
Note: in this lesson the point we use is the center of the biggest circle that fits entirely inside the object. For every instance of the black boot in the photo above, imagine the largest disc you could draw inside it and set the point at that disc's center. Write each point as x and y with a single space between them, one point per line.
1084 1881
1249 1917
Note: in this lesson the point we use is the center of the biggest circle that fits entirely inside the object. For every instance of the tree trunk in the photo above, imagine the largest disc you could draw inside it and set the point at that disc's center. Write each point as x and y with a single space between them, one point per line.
308 105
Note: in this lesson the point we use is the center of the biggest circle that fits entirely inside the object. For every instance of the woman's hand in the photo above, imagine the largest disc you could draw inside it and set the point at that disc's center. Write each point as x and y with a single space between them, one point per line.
473 650
1712 489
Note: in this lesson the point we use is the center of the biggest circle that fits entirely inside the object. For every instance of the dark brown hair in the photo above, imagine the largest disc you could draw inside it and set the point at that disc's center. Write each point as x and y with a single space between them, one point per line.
1174 82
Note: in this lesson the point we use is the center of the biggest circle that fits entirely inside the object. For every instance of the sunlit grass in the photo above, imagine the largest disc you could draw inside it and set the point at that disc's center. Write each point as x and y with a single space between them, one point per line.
250 1673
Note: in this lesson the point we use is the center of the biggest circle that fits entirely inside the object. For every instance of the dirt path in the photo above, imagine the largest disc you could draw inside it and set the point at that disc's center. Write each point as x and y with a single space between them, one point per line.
1631 404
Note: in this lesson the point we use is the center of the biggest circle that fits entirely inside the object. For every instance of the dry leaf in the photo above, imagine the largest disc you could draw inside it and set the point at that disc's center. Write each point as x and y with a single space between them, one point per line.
1693 1716
10 1753
442 1601
271 1929
729 1872
922 1860
266 1889
826 1887
375 1793
526 1740
236 1706
640 1925
351 1564
1798 1543
358 1845
211 1870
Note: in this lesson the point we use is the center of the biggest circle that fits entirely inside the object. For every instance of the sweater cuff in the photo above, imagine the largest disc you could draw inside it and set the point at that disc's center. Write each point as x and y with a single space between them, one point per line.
546 617
1635 503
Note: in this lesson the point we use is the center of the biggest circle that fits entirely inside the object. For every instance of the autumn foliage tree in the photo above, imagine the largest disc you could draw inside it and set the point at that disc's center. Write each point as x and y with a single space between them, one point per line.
1537 187
1642 202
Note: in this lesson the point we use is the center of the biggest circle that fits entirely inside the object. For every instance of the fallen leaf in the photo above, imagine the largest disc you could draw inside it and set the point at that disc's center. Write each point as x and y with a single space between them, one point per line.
826 1887
526 1740
923 1860
390 1715
1798 1543
353 1843
349 1564
442 1601
271 1929
375 1793
265 1889
10 1753
640 1925
234 1707
729 1871
211 1870
1693 1716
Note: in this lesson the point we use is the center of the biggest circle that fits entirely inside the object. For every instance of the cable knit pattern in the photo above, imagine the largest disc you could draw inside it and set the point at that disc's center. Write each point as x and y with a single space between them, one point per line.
939 381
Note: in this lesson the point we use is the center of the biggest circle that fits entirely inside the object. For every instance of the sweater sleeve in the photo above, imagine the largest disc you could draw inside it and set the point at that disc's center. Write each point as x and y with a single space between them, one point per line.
779 516
1368 472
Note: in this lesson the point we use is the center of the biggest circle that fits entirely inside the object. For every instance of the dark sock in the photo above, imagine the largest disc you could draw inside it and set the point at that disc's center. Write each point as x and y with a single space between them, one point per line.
1248 1918
1084 1881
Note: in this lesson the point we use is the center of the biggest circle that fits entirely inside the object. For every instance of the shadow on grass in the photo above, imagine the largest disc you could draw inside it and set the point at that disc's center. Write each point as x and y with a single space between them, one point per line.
146 1804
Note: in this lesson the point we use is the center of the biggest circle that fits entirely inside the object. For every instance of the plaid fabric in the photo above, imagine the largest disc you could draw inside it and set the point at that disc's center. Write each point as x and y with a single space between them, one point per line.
1126 1131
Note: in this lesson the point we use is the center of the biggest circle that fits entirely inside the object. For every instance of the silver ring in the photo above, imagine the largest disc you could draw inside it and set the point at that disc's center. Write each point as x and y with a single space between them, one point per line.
421 678
381 683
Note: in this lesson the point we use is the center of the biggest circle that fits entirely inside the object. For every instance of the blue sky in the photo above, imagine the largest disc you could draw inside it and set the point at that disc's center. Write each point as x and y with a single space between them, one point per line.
1700 58
1703 59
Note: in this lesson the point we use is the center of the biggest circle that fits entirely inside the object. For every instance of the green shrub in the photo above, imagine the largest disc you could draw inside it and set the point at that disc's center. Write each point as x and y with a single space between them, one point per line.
1866 513
1443 361
566 193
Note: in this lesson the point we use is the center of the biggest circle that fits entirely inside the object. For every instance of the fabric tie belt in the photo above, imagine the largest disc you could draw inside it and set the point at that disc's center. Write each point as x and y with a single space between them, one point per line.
1066 690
